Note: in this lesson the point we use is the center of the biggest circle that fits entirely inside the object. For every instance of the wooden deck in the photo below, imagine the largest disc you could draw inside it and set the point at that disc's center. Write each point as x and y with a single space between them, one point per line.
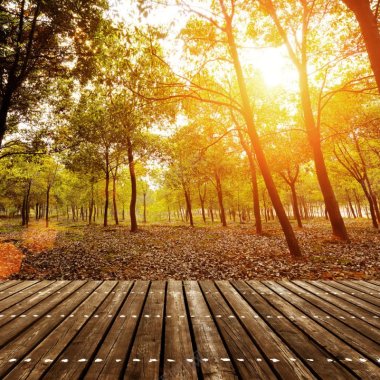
190 330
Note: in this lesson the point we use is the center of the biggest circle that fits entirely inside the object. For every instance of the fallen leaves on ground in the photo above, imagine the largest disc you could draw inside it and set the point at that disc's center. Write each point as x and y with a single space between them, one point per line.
180 252
10 260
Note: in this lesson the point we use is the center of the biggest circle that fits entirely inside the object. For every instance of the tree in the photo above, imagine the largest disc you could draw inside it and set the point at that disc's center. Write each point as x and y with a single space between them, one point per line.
368 22
298 53
34 48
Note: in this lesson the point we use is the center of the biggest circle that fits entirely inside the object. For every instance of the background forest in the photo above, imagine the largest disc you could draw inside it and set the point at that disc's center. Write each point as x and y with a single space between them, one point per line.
257 122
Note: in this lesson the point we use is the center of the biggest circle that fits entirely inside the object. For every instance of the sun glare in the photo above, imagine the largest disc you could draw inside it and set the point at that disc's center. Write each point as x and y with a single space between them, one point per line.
274 66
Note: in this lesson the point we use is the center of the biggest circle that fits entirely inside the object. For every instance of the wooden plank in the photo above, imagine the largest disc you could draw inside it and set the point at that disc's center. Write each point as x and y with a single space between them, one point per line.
370 286
347 319
357 293
117 344
10 330
292 347
23 306
41 357
20 286
337 348
354 310
347 297
179 360
368 348
7 284
70 363
22 295
32 332
375 282
145 357
241 348
210 349
354 285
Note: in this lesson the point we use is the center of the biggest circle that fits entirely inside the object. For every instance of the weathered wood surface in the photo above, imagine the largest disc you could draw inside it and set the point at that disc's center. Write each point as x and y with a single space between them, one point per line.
190 330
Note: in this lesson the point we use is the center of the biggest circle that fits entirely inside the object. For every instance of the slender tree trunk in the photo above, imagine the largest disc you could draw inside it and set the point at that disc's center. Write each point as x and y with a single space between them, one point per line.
202 201
211 214
132 173
25 205
115 214
220 200
369 28
255 188
296 211
188 207
374 200
144 216
350 204
255 140
358 205
47 206
106 193
370 202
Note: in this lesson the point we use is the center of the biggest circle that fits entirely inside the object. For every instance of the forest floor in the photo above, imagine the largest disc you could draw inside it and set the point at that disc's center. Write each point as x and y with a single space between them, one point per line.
69 251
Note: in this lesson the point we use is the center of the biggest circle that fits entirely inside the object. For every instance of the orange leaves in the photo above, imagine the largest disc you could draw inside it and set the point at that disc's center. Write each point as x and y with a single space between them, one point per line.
10 260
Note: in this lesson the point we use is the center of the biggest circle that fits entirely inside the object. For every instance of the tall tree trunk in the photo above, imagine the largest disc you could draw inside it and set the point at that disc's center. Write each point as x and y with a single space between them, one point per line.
369 28
374 200
291 239
144 216
350 204
106 193
211 214
188 207
25 205
219 193
132 173
47 206
370 202
4 109
116 217
296 210
255 188
202 201
358 205
332 207
312 128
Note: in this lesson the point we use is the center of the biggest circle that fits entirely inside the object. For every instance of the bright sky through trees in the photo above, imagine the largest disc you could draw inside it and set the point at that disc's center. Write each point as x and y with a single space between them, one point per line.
254 111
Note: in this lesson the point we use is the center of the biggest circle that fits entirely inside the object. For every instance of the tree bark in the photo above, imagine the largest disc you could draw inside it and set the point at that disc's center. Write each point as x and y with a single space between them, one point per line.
219 193
202 198
358 205
132 173
144 216
255 188
188 207
106 192
370 202
296 210
115 214
369 28
350 205
47 206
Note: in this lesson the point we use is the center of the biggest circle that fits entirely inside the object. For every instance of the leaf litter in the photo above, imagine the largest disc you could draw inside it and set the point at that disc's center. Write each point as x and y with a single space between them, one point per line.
161 252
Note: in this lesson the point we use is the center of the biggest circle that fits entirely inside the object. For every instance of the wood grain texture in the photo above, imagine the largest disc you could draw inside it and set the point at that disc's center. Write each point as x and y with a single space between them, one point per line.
189 330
